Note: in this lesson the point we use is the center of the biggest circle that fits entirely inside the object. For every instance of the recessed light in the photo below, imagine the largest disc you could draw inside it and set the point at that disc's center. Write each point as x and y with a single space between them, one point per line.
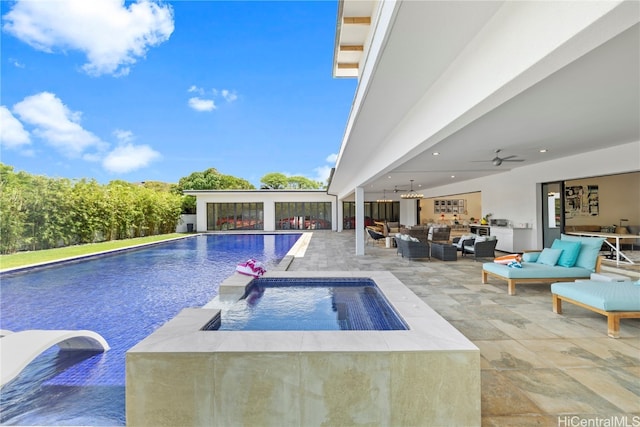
543 150
435 153
453 176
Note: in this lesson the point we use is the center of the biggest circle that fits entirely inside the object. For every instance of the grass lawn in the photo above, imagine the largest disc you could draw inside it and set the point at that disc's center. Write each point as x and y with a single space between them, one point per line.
21 259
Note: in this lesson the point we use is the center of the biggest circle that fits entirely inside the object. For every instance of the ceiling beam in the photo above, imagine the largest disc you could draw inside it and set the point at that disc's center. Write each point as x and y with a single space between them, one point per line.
348 65
352 48
357 20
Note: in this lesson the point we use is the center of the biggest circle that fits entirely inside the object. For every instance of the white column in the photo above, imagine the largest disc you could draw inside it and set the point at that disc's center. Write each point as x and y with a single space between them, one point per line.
408 215
360 221
269 215
339 220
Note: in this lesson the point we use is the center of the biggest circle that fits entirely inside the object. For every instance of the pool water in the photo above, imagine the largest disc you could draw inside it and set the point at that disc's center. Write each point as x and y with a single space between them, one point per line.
311 304
124 298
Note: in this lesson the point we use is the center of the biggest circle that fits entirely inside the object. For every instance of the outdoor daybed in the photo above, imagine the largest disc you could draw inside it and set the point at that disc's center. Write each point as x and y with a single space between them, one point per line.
616 300
568 259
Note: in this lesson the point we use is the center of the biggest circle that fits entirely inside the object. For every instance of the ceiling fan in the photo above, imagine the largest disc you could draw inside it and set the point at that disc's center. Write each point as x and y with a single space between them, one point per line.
497 160
396 189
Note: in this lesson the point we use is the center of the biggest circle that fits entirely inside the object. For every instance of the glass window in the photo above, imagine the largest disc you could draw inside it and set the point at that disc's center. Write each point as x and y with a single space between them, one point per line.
373 211
303 215
235 216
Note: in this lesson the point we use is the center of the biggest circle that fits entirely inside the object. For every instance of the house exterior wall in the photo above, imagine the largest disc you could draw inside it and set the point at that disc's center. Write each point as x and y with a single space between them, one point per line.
268 197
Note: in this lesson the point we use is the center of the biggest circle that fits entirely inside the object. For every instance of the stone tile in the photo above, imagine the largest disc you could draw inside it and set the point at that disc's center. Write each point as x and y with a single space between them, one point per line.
615 352
510 354
617 386
555 392
502 397
568 328
520 421
562 353
520 328
479 330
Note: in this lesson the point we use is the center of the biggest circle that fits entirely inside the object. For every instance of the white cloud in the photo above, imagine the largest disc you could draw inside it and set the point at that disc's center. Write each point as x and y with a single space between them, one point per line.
196 89
200 104
128 157
228 95
322 173
123 136
331 158
16 63
112 35
12 133
56 124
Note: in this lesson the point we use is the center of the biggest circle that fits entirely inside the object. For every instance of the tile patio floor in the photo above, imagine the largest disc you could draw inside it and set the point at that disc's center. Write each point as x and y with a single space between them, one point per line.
538 368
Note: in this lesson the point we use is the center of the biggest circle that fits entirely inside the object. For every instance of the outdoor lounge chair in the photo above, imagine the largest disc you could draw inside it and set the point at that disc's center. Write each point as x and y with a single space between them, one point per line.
375 235
480 249
439 234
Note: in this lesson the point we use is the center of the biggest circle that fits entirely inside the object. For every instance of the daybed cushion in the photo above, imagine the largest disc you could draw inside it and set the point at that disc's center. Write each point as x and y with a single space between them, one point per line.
530 256
589 250
549 256
607 296
570 252
533 270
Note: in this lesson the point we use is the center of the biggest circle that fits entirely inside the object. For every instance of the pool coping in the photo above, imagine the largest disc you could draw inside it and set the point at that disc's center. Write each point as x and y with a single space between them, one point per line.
76 258
428 331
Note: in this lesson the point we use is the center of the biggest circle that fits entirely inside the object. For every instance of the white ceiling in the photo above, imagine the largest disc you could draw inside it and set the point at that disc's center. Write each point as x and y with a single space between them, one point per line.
590 104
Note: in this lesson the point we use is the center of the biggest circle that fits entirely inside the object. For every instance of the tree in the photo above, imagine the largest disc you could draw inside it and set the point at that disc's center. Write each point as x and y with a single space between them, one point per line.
279 181
274 181
300 182
37 212
211 179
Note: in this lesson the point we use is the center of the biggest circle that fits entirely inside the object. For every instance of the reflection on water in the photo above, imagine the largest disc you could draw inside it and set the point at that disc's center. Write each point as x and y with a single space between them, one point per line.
308 306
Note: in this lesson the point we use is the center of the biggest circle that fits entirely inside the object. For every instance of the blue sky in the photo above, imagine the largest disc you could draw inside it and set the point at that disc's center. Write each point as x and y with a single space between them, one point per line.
151 90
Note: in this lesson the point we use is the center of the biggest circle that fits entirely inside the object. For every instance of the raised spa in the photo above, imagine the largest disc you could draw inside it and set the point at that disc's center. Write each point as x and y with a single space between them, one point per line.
427 374
310 304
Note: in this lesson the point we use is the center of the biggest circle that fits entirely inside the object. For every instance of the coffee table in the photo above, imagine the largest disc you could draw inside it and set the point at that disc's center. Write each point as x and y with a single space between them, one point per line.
444 252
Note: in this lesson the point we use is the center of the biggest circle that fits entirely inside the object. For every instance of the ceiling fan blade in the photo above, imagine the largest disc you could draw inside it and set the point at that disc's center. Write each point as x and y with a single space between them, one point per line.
509 157
512 160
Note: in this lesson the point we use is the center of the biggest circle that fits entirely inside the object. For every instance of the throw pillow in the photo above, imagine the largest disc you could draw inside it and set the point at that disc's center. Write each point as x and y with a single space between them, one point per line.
570 252
589 250
530 256
458 244
549 256
481 239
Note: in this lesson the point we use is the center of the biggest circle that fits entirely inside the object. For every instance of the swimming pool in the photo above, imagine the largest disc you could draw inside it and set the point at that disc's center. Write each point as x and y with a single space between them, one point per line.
124 298
310 304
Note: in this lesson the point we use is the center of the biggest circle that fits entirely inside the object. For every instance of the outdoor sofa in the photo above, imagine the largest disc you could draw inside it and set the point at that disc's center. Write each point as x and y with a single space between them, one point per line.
410 247
568 259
